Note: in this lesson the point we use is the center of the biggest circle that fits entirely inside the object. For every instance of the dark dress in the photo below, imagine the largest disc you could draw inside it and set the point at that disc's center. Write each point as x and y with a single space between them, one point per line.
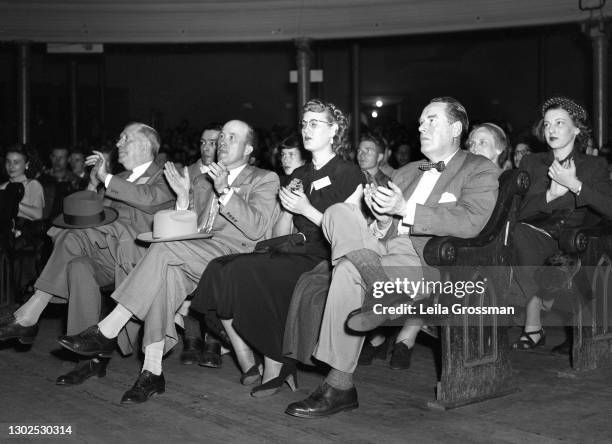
255 289
531 246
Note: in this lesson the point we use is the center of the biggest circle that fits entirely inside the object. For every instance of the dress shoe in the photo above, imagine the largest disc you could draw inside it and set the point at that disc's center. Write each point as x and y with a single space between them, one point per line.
366 318
288 374
11 329
192 348
563 349
324 401
84 372
370 352
90 342
145 386
400 357
211 354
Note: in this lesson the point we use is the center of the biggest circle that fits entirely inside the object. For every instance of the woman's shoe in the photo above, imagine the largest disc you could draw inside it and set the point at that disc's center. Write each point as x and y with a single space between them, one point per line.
288 374
251 376
526 342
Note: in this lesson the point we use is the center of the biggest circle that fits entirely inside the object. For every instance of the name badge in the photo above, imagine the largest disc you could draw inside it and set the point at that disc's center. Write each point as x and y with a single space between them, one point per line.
142 180
321 183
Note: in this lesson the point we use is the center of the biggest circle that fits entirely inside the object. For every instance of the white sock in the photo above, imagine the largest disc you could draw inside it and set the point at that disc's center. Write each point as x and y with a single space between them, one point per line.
29 312
153 357
111 325
376 339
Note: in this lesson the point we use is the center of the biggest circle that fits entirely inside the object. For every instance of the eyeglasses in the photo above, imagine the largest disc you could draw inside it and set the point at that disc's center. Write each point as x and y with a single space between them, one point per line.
313 124
477 143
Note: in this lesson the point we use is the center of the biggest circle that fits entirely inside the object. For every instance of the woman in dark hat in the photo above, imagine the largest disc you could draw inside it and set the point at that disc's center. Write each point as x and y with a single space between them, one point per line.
568 189
251 292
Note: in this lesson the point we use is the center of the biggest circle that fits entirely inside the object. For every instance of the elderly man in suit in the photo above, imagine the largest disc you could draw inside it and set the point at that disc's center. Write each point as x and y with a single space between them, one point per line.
237 206
453 193
84 259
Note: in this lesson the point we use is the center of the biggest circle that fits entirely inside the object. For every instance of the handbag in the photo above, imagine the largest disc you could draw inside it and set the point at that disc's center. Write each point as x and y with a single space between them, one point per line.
281 243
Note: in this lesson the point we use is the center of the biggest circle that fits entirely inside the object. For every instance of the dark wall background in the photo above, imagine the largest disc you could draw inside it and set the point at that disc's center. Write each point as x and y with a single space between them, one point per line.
500 75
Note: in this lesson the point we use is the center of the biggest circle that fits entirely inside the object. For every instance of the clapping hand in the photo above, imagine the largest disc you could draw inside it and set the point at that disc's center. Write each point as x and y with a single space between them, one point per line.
389 201
98 173
563 178
180 183
219 174
294 201
368 191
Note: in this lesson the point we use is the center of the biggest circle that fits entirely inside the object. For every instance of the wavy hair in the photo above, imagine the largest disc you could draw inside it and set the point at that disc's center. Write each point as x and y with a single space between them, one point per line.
335 115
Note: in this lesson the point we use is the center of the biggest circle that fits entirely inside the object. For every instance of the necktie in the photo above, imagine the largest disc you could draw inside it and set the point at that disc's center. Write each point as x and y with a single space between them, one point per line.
212 214
426 166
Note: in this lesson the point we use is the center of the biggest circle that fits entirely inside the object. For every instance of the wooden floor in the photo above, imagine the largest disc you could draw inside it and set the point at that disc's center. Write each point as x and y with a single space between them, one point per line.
209 405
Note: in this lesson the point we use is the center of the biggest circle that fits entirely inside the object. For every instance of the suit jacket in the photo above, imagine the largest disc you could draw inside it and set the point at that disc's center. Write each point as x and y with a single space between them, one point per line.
469 185
569 210
250 213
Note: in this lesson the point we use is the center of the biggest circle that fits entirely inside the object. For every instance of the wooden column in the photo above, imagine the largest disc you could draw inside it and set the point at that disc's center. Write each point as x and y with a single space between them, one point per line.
355 81
73 102
599 39
23 67
303 71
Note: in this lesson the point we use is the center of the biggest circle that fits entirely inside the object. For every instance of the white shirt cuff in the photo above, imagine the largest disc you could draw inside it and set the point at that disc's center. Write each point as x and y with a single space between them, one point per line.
408 218
223 200
107 180
179 208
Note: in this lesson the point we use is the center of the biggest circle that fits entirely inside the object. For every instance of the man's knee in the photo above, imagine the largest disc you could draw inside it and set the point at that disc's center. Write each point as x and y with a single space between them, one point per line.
79 267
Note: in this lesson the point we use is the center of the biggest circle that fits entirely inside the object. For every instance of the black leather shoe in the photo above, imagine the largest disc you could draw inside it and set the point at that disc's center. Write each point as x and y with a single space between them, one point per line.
370 352
10 329
324 401
211 355
192 349
563 349
400 357
90 342
145 386
366 318
84 372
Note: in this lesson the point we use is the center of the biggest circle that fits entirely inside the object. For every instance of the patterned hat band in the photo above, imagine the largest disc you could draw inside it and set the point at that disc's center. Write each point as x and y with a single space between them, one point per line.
576 111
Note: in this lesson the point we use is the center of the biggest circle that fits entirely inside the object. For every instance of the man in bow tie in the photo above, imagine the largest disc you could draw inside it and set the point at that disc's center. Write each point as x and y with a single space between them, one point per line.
453 193
236 203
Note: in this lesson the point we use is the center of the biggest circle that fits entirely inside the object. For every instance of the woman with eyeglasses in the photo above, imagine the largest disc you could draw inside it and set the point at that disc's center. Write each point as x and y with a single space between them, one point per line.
251 293
568 189
490 141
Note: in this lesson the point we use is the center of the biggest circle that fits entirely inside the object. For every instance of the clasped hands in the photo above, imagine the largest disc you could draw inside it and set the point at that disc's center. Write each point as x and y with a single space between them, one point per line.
563 179
384 202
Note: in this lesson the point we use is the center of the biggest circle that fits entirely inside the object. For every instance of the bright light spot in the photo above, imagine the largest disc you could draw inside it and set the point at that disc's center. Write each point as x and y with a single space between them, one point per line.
379 103
374 114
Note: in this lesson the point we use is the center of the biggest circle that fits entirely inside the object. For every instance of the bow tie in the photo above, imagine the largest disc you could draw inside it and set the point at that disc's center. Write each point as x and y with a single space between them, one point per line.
426 166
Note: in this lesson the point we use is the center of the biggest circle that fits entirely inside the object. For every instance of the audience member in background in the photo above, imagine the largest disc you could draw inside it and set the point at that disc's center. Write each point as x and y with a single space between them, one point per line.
94 250
401 155
569 189
370 154
77 166
490 141
292 156
521 149
16 164
208 150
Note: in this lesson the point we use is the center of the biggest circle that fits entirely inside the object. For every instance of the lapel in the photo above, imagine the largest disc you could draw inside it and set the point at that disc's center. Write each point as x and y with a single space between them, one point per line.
449 173
243 177
412 174
148 174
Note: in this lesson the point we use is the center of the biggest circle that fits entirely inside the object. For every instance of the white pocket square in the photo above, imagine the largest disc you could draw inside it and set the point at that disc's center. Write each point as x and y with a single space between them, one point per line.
447 197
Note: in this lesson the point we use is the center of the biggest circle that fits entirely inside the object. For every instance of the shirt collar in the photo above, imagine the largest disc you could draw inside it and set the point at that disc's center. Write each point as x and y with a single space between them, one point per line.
140 169
234 173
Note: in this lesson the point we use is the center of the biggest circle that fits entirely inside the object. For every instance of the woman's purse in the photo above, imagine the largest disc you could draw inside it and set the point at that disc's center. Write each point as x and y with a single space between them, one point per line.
281 244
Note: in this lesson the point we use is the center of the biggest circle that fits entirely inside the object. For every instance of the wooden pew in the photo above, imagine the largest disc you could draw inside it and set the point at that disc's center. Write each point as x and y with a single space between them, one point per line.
592 312
475 355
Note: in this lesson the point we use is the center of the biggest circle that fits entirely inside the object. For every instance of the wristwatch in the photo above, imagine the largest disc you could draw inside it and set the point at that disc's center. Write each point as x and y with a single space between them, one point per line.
225 190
